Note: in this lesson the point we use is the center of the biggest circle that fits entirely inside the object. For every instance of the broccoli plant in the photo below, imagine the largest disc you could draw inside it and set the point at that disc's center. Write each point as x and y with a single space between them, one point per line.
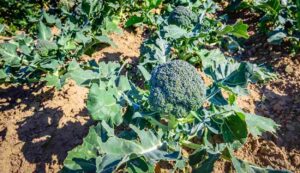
46 55
157 116
202 31
279 19
176 88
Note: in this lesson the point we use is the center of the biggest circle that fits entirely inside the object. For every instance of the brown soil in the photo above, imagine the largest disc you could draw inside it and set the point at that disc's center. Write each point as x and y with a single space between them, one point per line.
38 125
128 45
279 100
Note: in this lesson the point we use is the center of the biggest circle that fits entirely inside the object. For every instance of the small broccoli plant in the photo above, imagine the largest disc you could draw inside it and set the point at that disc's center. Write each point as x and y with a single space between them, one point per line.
176 88
46 48
183 17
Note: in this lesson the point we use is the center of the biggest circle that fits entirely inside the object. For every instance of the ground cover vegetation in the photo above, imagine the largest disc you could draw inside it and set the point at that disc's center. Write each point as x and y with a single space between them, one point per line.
165 112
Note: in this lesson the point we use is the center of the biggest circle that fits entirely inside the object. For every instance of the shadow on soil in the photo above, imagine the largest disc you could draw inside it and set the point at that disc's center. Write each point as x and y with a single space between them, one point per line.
44 140
285 111
111 57
17 95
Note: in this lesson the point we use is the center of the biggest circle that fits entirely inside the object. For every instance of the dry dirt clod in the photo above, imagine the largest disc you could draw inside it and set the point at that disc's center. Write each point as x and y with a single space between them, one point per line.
289 69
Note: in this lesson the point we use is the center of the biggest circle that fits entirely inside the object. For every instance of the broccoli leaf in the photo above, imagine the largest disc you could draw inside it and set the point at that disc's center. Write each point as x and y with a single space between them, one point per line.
2 28
203 163
80 76
8 52
44 32
174 32
235 128
258 124
155 50
53 80
103 104
105 152
239 30
133 20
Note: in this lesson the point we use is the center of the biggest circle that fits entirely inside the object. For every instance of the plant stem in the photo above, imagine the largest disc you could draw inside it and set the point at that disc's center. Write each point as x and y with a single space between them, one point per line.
190 144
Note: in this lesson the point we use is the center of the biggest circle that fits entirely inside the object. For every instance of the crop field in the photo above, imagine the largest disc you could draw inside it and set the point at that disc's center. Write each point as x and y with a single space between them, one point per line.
155 86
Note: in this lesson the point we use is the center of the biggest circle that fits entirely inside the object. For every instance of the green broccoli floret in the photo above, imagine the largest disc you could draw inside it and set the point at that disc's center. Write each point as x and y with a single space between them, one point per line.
176 88
182 16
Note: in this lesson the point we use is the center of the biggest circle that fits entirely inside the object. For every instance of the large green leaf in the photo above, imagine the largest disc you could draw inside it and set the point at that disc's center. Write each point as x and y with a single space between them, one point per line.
53 80
44 31
174 32
149 146
231 75
203 160
86 152
52 65
80 76
239 29
9 54
268 6
208 164
111 25
91 7
106 152
234 128
3 75
46 48
139 165
155 50
133 20
103 104
259 124
50 19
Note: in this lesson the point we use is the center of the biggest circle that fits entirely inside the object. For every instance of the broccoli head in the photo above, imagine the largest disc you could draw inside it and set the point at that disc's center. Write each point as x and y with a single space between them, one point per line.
182 16
176 88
